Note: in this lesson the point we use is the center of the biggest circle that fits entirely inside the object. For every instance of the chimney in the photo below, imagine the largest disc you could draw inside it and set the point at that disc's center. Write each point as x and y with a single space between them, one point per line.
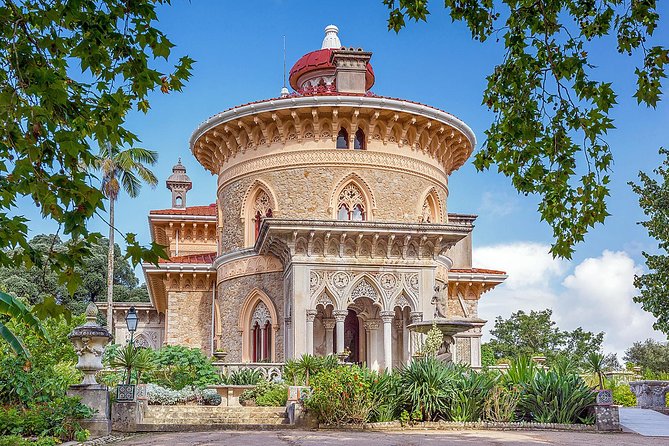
350 69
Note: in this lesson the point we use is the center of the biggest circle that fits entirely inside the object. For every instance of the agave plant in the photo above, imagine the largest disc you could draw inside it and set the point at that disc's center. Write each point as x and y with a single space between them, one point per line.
469 395
245 377
554 398
426 384
521 372
14 308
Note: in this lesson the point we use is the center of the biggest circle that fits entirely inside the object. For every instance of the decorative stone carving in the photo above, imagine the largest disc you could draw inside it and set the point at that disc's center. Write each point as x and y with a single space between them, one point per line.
324 300
340 315
372 324
311 315
340 280
388 281
314 280
387 316
261 315
402 302
248 266
650 394
364 289
262 203
329 323
89 342
350 196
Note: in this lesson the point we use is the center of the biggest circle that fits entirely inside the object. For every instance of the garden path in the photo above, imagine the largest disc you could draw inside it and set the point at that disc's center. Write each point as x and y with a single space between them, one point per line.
412 438
644 421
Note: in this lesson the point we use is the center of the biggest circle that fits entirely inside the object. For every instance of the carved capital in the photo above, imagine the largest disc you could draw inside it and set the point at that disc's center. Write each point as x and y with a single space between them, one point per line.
329 324
340 315
311 315
415 317
387 316
372 324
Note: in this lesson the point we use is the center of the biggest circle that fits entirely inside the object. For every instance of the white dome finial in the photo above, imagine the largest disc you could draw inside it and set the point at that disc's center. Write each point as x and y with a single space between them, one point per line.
331 40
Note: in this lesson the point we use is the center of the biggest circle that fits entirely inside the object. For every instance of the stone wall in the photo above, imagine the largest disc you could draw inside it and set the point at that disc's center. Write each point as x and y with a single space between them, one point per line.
231 297
189 319
305 192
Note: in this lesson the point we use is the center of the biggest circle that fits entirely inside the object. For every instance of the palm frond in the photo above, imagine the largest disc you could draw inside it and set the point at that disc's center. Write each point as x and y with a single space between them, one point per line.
14 342
131 183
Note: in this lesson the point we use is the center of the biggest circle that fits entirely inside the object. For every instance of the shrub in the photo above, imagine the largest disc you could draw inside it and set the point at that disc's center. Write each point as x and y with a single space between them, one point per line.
342 395
132 358
622 394
16 440
178 367
385 390
56 418
158 395
299 371
266 393
470 391
500 404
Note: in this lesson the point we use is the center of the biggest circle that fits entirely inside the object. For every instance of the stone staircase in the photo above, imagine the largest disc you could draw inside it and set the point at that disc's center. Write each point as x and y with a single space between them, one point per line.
193 418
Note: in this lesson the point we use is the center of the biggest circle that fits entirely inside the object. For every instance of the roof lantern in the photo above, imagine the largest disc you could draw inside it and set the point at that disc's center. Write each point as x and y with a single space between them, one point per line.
333 69
179 183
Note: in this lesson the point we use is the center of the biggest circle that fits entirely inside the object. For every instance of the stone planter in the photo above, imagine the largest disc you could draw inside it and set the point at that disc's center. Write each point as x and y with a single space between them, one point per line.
220 356
650 394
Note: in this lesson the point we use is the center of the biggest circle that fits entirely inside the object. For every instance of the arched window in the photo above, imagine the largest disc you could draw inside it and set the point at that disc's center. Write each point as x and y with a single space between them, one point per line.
261 333
351 204
342 139
430 213
359 141
262 207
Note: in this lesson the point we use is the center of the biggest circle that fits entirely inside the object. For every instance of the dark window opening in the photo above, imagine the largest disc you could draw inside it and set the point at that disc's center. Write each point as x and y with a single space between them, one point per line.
342 139
359 141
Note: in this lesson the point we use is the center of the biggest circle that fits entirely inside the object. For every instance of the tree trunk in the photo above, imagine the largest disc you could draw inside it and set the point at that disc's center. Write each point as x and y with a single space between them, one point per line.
110 271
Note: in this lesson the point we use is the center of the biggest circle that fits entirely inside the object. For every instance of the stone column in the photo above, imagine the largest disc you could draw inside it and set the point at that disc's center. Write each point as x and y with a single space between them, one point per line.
339 316
262 342
387 317
415 317
329 325
406 354
311 315
372 327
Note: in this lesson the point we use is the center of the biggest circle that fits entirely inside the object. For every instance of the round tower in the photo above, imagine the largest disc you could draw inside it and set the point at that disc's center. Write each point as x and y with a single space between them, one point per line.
334 224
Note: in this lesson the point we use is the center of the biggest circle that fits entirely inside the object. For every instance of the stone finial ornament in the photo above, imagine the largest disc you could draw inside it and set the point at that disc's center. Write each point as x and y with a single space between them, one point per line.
89 342
331 39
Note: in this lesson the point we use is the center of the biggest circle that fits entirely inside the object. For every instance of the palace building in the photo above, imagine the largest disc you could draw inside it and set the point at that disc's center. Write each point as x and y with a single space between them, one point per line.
330 230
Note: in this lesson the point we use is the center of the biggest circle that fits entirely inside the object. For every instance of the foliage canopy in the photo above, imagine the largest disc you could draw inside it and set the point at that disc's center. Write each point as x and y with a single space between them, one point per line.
551 115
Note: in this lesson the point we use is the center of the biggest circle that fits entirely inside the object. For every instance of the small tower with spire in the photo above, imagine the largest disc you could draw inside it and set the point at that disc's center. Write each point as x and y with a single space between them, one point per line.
179 184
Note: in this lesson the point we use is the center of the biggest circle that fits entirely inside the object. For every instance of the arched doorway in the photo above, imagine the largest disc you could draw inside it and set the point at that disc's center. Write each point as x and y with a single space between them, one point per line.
352 336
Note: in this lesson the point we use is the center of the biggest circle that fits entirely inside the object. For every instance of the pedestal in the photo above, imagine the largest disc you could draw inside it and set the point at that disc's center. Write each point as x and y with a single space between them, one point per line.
95 396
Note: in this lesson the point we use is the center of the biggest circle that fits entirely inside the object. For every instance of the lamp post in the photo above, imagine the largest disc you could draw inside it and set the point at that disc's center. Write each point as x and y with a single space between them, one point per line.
131 320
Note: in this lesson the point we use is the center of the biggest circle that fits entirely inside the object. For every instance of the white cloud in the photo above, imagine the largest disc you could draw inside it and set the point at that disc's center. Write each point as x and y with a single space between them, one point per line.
596 294
599 295
498 204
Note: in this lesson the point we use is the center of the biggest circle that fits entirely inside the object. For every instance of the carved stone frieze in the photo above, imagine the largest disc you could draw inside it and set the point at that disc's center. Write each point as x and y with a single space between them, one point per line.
248 266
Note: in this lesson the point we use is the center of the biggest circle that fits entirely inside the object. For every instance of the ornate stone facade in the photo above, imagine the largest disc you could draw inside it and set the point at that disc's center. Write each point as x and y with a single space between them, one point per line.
331 229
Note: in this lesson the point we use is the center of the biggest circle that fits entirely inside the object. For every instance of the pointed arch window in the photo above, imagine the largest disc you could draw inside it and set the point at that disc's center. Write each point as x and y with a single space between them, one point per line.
430 209
342 139
351 204
359 141
261 333
262 207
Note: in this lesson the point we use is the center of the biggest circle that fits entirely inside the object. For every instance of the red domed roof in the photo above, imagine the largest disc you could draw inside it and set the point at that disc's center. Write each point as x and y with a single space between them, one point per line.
318 60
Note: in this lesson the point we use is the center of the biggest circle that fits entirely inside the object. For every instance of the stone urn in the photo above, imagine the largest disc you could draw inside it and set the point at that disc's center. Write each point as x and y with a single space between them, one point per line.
220 355
650 394
89 342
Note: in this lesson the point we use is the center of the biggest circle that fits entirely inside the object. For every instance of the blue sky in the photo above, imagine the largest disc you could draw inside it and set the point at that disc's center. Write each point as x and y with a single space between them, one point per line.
238 49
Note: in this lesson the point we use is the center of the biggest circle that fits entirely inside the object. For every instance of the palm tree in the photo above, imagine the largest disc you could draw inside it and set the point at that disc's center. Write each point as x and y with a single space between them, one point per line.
121 169
14 308
595 363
